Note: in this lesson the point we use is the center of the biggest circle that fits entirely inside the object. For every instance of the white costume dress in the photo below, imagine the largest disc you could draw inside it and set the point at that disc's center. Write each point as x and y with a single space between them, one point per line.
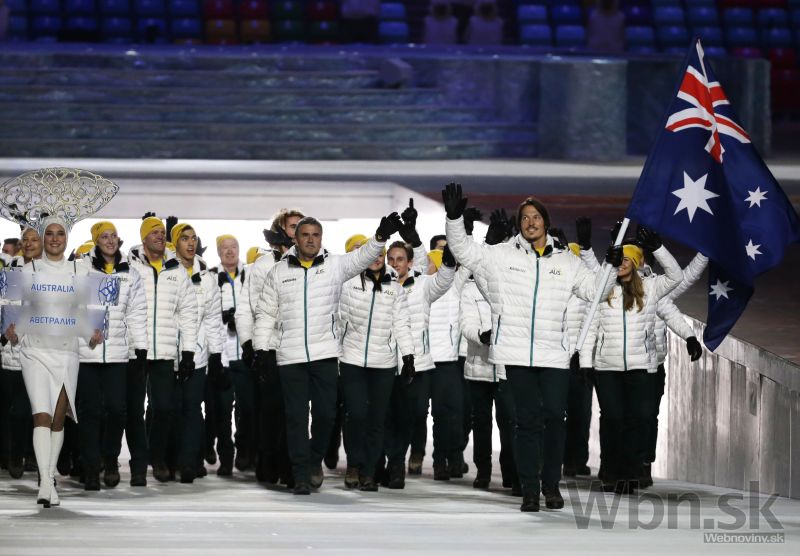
50 362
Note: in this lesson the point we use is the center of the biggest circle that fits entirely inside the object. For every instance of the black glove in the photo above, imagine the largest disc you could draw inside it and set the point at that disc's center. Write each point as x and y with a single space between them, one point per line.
614 255
279 238
575 362
648 239
228 317
560 237
583 227
499 226
388 226
408 231
265 363
141 362
216 372
470 216
186 366
694 348
409 215
408 371
485 337
447 257
454 200
248 355
171 221
147 215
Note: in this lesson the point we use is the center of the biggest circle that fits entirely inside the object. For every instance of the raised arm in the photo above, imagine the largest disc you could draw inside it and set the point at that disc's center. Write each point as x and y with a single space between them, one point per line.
438 285
691 274
469 317
670 314
355 262
665 283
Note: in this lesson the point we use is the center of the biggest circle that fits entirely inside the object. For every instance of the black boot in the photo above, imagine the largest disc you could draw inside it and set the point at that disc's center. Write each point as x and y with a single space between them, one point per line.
367 484
138 479
211 455
92 480
455 468
111 472
397 476
415 464
552 497
569 470
188 474
301 489
242 461
530 503
225 469
317 476
351 477
440 473
15 467
161 472
483 478
646 479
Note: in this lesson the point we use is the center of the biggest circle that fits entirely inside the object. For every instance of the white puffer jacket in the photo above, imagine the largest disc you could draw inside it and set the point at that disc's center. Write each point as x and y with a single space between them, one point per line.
667 312
209 337
476 317
254 279
374 323
304 303
127 320
626 340
445 332
10 354
230 292
528 294
422 290
171 305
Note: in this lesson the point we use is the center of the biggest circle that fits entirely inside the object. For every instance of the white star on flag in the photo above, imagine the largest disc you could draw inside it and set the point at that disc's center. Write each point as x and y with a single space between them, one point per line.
693 196
756 197
752 250
720 289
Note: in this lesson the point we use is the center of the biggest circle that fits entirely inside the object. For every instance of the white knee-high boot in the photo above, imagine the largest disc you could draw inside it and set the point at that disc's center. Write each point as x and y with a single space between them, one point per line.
56 442
41 447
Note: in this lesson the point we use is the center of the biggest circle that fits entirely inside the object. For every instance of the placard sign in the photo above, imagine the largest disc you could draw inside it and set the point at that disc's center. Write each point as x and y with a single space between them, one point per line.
57 304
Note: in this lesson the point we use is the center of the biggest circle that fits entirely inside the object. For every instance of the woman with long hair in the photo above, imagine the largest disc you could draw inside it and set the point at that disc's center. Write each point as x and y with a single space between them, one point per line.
625 353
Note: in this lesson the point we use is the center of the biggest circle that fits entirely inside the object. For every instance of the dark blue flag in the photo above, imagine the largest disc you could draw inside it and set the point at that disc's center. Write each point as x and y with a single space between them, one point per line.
705 185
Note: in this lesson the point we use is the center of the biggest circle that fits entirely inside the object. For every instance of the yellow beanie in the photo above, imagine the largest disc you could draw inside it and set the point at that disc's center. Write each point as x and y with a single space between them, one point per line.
223 237
99 228
84 247
435 256
575 248
177 229
253 254
148 225
634 253
354 241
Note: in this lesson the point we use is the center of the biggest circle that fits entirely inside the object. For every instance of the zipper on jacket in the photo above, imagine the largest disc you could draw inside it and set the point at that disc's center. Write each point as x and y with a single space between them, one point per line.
369 327
233 292
497 334
155 307
624 338
108 319
333 326
533 308
305 311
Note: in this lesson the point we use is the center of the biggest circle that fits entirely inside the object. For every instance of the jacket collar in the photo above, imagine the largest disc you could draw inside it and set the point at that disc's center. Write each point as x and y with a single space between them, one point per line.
99 263
223 277
411 278
170 258
293 260
521 243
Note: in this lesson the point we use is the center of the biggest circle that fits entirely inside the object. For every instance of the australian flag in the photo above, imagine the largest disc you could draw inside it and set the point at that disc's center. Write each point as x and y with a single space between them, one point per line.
705 185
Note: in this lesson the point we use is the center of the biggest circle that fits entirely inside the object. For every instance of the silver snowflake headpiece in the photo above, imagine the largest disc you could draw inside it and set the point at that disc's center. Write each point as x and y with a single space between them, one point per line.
64 196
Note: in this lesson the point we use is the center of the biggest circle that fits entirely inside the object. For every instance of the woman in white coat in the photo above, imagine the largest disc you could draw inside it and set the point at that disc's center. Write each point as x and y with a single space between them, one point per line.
50 367
625 352
374 324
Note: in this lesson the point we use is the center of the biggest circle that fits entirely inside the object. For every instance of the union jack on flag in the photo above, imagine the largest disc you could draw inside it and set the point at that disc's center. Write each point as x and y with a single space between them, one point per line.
709 107
705 185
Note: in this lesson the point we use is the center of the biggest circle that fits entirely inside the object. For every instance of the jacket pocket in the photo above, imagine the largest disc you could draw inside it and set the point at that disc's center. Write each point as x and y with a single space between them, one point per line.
280 337
333 326
346 326
497 332
602 341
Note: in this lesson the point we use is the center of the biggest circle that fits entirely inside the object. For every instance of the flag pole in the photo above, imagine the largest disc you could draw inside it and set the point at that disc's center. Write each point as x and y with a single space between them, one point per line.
587 320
